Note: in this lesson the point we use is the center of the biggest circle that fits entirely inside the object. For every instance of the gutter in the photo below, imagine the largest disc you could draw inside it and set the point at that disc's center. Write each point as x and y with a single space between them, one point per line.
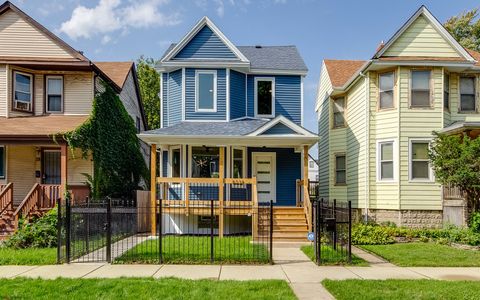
367 145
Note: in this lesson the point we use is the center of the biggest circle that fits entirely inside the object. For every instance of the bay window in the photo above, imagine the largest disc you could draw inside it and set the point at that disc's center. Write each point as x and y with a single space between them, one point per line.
419 160
420 88
386 85
467 94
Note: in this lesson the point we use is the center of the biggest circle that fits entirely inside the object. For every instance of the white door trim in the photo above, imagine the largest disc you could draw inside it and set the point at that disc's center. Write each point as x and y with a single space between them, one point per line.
273 184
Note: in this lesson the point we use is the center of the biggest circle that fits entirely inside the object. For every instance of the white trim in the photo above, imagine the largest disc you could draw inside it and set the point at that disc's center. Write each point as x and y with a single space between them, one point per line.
227 94
161 99
255 96
4 177
205 21
286 122
273 175
244 160
436 24
211 72
246 94
301 101
47 94
168 100
395 160
183 94
431 178
32 92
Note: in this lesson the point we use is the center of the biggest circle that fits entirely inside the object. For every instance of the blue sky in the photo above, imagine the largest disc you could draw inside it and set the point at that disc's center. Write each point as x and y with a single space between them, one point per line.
125 29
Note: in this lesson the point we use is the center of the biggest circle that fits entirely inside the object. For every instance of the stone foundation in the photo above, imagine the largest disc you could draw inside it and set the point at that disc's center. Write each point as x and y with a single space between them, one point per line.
403 218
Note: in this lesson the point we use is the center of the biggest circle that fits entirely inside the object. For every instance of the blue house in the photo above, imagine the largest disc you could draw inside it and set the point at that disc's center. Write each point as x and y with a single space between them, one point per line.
231 128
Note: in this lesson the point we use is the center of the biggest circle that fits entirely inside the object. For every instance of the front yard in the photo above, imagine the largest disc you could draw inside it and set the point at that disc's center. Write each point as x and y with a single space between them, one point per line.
148 288
403 289
28 256
425 255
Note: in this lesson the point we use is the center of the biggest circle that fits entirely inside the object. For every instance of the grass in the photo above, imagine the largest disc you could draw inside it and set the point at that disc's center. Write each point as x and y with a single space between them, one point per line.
425 255
148 288
403 289
29 256
332 257
196 250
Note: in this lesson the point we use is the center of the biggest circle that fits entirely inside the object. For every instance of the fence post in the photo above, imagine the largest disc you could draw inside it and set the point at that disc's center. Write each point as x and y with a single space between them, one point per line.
318 236
335 221
109 230
68 212
59 230
349 231
160 229
271 232
212 216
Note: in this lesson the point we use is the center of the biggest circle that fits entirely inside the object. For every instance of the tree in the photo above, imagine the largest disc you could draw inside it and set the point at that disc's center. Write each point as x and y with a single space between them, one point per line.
456 162
109 135
149 81
465 28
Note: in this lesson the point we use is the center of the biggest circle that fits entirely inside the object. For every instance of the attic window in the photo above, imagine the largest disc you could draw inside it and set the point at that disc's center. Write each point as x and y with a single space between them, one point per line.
265 97
23 91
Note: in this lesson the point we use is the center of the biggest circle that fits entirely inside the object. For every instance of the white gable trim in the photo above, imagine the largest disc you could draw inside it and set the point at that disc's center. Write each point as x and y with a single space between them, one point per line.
282 120
205 21
436 24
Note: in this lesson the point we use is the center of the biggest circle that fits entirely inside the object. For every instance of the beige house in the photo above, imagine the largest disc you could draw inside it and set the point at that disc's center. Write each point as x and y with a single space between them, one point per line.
376 119
47 87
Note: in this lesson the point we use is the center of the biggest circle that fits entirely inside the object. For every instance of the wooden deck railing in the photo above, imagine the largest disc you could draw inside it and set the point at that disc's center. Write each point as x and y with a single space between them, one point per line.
6 197
40 197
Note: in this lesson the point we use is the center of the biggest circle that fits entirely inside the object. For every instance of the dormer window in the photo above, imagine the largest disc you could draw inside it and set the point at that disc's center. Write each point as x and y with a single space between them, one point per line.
206 91
22 91
265 97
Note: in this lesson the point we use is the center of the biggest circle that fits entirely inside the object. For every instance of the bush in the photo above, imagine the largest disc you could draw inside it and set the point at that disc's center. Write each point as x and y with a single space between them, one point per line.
366 234
475 222
37 233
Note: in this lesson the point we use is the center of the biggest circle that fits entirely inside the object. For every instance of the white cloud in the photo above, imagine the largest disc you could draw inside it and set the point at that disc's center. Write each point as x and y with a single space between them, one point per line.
220 8
110 16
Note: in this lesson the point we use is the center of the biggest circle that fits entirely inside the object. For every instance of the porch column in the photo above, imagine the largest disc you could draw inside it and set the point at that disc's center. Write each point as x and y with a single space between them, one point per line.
221 191
306 196
63 168
153 187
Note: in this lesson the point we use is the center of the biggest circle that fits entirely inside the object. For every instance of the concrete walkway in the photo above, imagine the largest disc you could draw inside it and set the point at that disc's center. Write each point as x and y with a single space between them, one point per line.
291 265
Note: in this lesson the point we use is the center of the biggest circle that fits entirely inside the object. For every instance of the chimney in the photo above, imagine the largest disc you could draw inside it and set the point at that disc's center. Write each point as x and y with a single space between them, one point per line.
380 46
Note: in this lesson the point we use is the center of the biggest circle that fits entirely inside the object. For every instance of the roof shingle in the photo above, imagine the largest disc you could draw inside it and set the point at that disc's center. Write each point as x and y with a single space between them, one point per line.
340 71
117 71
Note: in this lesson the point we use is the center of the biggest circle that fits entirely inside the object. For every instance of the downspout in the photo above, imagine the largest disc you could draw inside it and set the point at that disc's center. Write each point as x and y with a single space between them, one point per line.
367 145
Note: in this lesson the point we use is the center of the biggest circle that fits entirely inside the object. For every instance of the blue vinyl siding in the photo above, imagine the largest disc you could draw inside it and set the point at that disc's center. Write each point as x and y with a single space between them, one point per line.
164 99
206 44
289 169
190 113
175 98
279 129
237 95
287 96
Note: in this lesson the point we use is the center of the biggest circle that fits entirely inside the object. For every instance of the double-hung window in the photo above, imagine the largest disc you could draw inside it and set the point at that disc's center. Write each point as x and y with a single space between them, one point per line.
22 91
340 169
419 160
206 90
386 84
446 91
339 112
467 94
54 94
265 97
386 161
420 88
2 161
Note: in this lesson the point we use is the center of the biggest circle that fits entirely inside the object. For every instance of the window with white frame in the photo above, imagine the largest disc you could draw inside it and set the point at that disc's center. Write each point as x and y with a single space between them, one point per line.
340 169
420 88
386 161
386 82
339 112
54 94
175 162
265 96
206 90
446 91
238 163
22 91
3 160
205 162
467 94
419 160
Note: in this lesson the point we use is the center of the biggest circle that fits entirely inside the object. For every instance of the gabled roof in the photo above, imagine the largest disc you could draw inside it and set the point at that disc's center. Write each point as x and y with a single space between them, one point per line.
117 71
205 21
423 11
281 120
476 56
341 71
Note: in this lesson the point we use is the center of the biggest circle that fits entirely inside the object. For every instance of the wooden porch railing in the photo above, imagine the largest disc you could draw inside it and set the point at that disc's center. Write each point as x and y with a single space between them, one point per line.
303 196
40 197
6 197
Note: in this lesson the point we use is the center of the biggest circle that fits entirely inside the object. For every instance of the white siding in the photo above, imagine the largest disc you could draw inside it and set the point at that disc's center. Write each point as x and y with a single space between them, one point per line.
78 93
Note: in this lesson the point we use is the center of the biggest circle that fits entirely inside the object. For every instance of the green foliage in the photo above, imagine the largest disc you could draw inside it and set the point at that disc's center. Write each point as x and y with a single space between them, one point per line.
37 233
371 235
110 136
149 81
465 28
456 162
475 222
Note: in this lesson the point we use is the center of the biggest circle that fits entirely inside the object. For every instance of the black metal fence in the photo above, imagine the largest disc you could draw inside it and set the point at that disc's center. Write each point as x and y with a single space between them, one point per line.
332 223
123 232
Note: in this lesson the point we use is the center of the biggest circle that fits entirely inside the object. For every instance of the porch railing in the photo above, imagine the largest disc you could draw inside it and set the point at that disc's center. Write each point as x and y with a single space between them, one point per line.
304 195
6 197
40 197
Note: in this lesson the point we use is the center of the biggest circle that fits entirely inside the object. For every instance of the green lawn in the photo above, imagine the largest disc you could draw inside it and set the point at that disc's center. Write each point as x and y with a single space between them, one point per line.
403 289
148 288
30 256
196 250
425 255
331 257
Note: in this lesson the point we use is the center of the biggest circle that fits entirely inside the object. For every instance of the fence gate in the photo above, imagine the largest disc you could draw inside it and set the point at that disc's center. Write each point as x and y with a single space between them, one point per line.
333 231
